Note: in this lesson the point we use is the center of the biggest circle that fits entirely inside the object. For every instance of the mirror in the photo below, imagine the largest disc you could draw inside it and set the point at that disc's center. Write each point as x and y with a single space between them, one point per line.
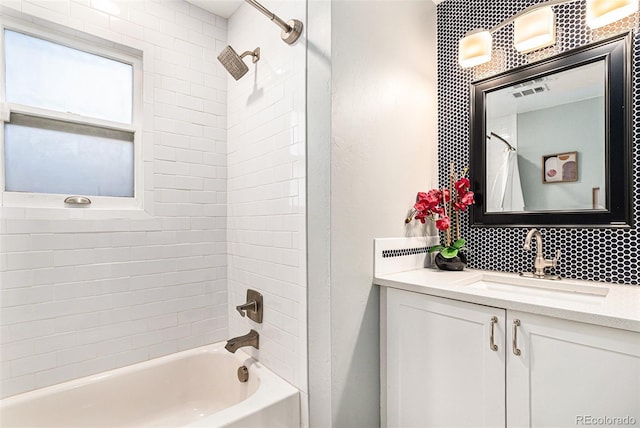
551 140
545 140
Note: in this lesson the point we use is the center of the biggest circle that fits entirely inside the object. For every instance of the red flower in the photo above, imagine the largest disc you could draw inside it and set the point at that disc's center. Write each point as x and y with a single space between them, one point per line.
433 197
421 215
467 198
462 185
446 194
431 204
421 206
443 223
459 206
438 210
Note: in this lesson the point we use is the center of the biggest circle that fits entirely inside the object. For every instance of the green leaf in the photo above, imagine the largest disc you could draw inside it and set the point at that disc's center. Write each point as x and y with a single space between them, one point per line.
459 243
435 248
449 252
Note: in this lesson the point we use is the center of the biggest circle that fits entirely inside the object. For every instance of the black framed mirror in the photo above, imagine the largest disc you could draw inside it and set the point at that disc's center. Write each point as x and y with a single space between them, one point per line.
551 141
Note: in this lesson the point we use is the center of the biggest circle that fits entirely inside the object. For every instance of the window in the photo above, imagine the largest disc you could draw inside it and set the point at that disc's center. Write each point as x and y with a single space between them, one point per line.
70 120
47 156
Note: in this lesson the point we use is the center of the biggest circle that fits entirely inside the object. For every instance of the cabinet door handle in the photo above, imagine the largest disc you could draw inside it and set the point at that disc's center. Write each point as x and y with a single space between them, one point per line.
492 343
516 324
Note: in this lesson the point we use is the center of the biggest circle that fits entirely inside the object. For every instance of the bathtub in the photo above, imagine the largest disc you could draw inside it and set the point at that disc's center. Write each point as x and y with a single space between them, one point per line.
194 388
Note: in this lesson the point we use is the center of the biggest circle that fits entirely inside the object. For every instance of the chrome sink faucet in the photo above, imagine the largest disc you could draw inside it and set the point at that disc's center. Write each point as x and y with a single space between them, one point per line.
540 263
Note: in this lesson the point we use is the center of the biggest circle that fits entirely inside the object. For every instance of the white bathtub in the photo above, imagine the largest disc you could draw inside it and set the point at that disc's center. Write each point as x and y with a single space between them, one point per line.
195 388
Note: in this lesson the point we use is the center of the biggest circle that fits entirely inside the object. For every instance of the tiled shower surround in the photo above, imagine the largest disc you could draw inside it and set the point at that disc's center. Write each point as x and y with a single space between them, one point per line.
588 253
266 184
85 291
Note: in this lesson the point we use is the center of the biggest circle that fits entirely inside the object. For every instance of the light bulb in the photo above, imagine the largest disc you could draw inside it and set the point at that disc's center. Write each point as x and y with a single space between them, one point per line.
474 48
603 12
535 30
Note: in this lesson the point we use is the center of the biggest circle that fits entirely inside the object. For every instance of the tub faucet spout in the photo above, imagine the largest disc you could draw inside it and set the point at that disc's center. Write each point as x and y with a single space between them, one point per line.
250 339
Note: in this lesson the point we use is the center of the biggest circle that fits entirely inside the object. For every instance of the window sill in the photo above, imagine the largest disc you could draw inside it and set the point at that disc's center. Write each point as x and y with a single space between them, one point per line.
52 207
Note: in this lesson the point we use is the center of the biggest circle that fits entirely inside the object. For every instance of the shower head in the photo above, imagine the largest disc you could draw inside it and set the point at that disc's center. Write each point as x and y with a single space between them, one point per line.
233 62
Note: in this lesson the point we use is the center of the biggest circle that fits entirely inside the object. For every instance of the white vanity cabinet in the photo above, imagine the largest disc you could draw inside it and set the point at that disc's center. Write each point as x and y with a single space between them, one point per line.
569 373
440 368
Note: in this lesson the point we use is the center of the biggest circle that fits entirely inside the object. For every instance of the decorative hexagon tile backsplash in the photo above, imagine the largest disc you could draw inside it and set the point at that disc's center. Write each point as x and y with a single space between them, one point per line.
606 254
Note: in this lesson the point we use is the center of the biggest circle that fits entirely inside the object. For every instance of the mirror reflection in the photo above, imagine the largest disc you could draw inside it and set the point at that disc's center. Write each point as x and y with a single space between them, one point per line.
546 142
551 140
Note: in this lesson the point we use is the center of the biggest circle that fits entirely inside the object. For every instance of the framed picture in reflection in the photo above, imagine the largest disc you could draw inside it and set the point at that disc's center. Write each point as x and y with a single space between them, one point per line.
560 168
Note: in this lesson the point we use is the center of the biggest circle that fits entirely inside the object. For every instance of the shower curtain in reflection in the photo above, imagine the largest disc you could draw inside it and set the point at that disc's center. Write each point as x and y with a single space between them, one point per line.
505 193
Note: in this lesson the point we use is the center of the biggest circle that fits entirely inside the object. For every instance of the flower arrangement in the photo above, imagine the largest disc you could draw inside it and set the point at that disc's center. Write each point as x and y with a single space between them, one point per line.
443 206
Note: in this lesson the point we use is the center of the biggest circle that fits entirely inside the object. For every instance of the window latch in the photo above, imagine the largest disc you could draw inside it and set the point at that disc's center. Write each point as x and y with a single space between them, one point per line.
77 200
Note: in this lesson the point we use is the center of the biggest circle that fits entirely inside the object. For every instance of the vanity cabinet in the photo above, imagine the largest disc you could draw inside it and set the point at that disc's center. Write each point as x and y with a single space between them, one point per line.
441 370
568 372
447 363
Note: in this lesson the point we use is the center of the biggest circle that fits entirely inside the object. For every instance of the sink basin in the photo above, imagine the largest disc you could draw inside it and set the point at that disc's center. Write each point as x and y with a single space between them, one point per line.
538 290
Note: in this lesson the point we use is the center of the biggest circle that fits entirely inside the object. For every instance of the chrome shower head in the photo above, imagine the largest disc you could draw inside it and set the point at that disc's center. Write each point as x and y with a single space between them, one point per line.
233 62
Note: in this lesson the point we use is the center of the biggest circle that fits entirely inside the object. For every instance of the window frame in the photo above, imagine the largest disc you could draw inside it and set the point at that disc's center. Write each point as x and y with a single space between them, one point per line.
93 45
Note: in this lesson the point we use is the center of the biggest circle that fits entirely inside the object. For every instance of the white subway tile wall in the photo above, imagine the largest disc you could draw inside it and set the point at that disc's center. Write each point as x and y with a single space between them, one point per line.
266 185
84 291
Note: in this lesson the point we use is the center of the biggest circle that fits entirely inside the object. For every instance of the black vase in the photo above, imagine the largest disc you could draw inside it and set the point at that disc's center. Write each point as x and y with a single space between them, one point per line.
455 263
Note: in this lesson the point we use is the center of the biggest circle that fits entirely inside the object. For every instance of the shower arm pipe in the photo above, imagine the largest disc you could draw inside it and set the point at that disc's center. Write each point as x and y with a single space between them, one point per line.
272 16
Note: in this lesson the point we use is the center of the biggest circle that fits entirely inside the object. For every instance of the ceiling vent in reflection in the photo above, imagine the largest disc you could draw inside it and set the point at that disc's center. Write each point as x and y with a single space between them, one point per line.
531 87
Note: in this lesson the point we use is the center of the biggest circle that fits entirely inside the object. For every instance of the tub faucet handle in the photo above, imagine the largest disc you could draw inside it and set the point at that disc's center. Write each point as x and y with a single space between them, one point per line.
249 306
252 308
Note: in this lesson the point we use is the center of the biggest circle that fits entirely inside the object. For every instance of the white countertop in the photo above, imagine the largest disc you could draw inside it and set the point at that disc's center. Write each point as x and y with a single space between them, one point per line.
619 309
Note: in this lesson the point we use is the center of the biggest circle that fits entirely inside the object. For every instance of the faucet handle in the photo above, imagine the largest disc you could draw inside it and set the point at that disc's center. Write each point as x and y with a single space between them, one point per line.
249 306
554 261
252 307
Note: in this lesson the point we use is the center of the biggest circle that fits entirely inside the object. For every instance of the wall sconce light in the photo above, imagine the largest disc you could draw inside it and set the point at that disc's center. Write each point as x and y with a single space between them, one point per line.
535 28
603 12
475 48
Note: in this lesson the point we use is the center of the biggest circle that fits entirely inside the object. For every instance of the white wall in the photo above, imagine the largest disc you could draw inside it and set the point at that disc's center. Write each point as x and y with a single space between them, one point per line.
87 291
319 210
266 189
383 151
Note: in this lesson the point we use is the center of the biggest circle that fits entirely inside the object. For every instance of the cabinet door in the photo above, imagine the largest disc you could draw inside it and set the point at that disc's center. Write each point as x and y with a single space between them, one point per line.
438 366
569 373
